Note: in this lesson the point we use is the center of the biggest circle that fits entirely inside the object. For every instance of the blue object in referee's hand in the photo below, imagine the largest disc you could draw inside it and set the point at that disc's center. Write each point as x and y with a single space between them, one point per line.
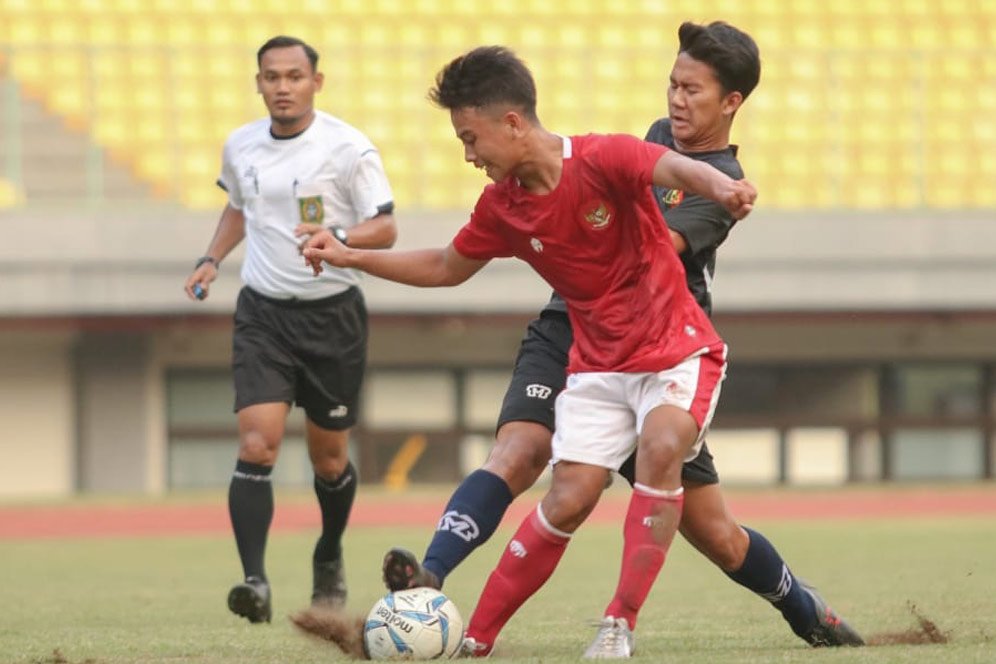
199 292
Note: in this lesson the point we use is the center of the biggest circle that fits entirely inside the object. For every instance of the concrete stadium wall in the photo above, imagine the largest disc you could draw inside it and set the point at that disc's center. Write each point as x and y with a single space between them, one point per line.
37 409
134 260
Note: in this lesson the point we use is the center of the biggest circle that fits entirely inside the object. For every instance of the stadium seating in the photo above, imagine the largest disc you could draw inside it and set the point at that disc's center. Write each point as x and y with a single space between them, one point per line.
870 104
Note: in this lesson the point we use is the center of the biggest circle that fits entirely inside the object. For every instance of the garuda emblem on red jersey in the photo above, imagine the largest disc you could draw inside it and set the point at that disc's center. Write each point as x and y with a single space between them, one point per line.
672 198
599 215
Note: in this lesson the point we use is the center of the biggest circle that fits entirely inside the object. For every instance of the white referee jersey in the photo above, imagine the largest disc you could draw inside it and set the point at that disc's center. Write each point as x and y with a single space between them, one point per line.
329 174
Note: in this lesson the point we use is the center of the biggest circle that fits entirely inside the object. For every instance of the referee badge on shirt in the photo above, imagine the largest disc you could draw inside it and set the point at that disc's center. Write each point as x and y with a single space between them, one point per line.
311 209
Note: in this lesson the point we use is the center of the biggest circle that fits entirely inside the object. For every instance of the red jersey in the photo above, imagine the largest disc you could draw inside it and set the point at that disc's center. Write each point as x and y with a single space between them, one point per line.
599 240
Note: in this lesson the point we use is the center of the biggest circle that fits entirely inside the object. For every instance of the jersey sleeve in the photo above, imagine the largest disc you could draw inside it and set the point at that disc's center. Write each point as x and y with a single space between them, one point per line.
370 192
228 180
629 162
480 238
702 222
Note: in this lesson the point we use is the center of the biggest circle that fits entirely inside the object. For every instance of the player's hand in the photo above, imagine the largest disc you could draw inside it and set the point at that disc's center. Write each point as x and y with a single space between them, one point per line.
199 282
738 198
304 232
323 247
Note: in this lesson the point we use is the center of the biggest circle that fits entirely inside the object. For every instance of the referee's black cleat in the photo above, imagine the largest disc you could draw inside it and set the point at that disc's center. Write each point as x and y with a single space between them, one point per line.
402 570
328 589
251 600
830 630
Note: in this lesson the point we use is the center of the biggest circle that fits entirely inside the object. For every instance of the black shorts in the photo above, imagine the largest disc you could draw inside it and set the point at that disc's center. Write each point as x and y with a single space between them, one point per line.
540 374
309 352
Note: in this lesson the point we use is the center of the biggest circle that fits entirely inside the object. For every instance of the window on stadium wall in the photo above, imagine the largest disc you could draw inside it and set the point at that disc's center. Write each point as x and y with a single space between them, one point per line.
428 425
824 423
797 424
203 433
937 421
912 421
423 424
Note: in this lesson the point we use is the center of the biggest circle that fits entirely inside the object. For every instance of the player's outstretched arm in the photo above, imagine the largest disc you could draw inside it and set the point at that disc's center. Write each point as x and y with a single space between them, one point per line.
676 171
420 267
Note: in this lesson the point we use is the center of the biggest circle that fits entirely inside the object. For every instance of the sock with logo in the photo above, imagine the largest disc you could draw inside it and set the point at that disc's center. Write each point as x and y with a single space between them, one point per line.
651 522
528 561
764 572
469 520
250 507
335 498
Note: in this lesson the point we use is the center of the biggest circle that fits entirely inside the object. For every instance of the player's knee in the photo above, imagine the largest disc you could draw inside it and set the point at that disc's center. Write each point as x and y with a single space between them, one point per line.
329 468
566 507
519 460
664 451
255 447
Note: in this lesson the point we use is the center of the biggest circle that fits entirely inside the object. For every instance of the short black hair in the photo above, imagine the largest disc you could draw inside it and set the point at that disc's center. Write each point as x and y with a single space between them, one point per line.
732 54
283 41
486 76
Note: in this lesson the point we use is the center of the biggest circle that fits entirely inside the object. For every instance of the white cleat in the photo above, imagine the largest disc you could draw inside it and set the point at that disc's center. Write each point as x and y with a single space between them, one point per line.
469 647
613 641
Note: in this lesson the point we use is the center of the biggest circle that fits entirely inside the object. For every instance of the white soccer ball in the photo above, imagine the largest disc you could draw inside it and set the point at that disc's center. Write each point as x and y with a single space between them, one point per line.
419 623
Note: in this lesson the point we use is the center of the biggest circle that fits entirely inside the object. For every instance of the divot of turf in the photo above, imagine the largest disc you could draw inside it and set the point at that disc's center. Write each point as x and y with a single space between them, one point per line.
925 632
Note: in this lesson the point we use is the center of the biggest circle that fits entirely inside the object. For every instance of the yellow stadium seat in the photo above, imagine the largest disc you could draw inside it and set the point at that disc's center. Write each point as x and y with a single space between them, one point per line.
149 77
23 29
10 194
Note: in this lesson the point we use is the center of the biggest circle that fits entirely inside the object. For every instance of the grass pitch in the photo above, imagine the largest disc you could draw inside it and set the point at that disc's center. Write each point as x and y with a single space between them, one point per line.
162 599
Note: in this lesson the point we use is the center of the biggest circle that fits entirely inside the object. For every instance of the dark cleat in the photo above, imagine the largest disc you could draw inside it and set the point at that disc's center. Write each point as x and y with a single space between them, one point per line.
831 630
251 600
402 570
328 587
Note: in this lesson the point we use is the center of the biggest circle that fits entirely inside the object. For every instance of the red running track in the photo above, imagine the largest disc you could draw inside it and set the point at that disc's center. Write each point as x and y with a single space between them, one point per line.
380 509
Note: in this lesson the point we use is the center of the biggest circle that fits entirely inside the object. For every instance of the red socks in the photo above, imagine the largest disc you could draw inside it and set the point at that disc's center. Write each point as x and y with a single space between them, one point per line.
651 522
528 561
537 547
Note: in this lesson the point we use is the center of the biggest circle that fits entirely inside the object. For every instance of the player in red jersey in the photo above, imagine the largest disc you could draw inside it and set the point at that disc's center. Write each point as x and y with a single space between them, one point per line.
646 363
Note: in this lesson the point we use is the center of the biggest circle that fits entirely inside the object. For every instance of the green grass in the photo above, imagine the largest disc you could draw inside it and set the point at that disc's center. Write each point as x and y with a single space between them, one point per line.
163 599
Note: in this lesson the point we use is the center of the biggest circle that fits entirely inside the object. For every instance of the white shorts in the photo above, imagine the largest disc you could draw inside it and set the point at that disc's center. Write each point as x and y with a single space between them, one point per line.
600 415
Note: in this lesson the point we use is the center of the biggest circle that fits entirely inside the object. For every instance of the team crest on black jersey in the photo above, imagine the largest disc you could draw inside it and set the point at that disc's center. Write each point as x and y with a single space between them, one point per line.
672 198
598 214
312 210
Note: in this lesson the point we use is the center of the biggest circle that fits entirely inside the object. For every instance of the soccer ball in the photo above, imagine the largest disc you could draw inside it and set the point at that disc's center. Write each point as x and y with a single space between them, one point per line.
418 623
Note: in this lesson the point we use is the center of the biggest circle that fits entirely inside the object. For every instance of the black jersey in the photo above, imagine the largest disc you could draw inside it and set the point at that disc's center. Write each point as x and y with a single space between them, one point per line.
703 223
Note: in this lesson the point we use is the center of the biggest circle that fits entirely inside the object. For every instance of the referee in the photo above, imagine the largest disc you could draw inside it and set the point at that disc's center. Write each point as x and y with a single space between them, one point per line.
297 339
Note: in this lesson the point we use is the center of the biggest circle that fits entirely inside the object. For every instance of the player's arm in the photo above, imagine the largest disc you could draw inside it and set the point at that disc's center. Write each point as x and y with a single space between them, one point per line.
678 240
420 267
230 231
378 232
676 171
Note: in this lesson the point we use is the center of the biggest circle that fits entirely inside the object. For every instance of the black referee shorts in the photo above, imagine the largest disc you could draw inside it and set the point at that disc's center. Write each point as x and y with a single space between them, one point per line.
540 375
312 353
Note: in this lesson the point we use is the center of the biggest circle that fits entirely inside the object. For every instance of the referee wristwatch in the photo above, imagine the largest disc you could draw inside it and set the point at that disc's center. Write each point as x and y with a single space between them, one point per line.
340 234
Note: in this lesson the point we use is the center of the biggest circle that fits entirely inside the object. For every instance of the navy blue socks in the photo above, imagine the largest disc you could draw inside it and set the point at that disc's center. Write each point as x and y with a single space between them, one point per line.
470 518
250 506
765 573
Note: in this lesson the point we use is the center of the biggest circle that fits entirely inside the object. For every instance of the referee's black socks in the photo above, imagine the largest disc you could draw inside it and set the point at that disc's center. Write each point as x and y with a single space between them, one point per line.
250 506
335 498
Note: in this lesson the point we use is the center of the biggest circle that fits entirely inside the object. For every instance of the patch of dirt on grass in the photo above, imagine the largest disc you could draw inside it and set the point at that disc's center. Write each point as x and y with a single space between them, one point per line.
58 658
345 631
925 632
